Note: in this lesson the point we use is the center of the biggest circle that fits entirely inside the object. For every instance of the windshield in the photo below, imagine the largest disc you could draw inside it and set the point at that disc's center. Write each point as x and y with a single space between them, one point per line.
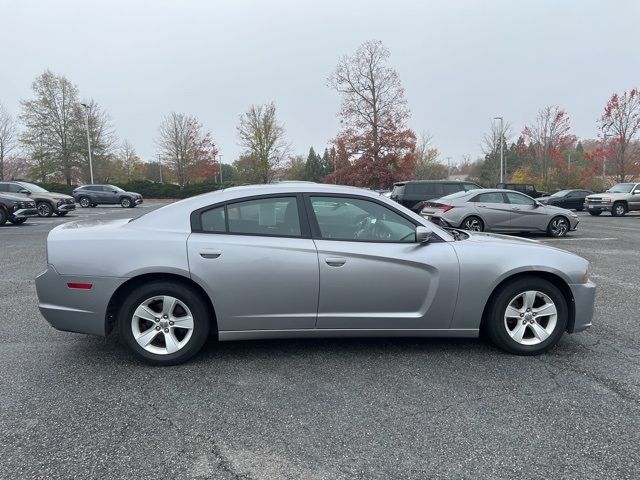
561 193
621 188
33 188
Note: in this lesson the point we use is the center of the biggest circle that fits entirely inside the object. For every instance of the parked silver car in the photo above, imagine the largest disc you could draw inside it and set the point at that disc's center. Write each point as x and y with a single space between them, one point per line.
493 210
304 261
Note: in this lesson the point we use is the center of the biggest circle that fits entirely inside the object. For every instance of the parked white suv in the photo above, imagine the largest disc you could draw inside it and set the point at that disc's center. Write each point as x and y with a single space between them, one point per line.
619 199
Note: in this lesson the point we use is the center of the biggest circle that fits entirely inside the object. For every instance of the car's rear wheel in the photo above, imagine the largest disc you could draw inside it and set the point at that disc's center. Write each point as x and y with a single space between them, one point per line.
17 221
85 202
474 224
44 209
125 202
527 317
595 213
558 227
619 209
164 323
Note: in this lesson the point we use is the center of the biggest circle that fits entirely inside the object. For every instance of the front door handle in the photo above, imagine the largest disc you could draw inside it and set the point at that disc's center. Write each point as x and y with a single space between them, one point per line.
515 209
210 253
335 261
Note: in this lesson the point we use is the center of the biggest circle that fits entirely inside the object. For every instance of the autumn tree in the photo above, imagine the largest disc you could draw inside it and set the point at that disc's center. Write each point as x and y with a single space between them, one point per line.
263 140
621 121
428 164
377 143
548 135
53 124
8 139
186 149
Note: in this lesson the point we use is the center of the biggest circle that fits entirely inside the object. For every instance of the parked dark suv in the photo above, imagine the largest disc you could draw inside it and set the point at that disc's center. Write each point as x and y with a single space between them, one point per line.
413 193
16 208
526 188
92 195
47 202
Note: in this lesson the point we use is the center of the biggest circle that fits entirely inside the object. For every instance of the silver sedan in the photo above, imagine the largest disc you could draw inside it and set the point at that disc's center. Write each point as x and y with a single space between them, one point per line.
489 210
304 261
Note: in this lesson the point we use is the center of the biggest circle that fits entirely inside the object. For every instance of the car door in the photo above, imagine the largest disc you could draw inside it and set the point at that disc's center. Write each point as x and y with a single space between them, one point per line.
110 194
526 214
373 275
258 262
493 209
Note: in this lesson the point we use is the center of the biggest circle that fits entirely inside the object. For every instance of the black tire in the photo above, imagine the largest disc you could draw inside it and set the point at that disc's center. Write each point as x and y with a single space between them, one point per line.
44 209
558 227
17 221
61 214
595 213
3 216
473 224
191 298
125 202
619 209
494 323
85 202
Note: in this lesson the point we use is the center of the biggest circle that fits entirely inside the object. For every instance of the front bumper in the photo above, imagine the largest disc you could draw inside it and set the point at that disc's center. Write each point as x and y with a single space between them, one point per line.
584 295
598 207
66 207
25 212
138 201
74 310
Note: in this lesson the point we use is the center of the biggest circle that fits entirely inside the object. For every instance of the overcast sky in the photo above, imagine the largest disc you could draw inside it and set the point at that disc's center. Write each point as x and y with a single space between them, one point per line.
461 62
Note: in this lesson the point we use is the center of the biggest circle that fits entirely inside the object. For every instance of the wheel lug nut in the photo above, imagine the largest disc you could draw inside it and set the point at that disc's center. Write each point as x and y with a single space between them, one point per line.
165 316
522 314
171 323
158 327
166 330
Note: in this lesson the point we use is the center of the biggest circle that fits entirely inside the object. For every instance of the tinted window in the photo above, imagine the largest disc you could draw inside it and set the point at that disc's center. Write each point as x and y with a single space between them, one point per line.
4 187
518 199
425 189
213 220
448 188
93 188
360 220
15 188
398 190
494 197
267 216
470 186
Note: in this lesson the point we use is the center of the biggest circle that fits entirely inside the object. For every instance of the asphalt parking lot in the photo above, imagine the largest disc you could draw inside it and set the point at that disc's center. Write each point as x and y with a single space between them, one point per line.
74 406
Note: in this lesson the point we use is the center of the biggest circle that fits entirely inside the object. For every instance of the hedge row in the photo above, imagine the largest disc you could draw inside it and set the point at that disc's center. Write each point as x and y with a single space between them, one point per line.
150 189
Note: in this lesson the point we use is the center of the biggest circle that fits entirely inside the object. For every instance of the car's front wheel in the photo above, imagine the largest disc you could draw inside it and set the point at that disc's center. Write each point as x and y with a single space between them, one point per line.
474 224
125 202
164 323
85 202
527 317
44 209
558 227
619 209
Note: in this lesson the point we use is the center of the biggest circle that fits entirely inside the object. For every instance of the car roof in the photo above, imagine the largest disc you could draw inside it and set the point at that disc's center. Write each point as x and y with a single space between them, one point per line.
433 181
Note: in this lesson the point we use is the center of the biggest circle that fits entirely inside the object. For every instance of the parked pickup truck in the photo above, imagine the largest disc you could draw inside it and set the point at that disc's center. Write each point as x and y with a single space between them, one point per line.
619 199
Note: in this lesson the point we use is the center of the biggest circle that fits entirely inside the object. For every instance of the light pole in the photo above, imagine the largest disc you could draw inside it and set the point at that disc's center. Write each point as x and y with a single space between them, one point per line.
87 108
220 165
604 156
160 168
448 167
502 165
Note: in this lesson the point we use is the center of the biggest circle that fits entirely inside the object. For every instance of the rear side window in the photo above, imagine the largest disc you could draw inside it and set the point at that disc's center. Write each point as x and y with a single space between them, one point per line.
267 216
4 187
214 220
425 189
493 197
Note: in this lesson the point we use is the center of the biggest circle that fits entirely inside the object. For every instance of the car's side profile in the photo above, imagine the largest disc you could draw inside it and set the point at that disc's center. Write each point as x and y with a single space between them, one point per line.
570 199
619 199
304 261
498 210
47 203
93 195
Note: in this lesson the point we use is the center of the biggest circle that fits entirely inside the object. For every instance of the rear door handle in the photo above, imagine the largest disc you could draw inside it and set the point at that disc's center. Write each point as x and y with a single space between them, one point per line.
335 261
210 253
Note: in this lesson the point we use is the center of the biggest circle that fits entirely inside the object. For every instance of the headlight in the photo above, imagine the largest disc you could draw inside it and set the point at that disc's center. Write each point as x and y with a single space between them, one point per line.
587 274
606 199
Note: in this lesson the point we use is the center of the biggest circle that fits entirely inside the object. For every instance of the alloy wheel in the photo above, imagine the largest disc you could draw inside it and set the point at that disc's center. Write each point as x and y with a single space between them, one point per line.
530 317
84 202
472 224
44 209
559 227
619 210
162 325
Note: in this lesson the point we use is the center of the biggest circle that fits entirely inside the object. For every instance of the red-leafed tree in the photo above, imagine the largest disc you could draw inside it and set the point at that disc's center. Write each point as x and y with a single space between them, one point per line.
375 147
548 135
621 121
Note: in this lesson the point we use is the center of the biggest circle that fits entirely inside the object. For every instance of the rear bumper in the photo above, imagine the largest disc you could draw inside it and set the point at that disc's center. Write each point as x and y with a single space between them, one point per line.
75 310
584 295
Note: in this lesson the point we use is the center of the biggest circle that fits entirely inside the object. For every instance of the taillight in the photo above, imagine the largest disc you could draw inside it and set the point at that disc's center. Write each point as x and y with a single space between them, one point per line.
80 286
445 208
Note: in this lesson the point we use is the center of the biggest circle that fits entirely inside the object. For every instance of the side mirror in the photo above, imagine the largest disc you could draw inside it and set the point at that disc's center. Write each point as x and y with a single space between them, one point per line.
636 192
25 192
537 204
114 191
423 235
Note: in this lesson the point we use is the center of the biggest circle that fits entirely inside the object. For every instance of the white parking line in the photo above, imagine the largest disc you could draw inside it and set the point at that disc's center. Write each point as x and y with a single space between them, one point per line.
566 239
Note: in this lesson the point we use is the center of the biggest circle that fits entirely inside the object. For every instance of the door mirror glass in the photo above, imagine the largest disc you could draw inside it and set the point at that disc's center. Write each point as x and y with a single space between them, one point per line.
423 235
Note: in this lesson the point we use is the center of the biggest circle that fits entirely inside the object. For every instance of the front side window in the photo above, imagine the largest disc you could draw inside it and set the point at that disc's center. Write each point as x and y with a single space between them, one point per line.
32 188
518 199
355 219
266 216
